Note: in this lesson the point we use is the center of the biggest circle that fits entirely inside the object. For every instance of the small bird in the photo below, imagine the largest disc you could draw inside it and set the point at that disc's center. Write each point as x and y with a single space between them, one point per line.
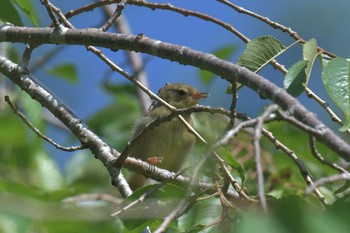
168 144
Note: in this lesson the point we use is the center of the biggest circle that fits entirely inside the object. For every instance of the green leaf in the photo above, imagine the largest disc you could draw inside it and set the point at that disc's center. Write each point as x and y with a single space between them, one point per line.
335 77
8 13
227 156
310 50
224 53
295 80
47 175
309 54
27 6
65 71
298 75
260 52
118 89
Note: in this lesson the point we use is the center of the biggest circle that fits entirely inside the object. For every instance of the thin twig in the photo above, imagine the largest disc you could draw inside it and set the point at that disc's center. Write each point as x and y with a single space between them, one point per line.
49 10
320 158
324 180
227 26
233 181
325 105
134 59
271 23
113 66
37 131
225 204
92 197
302 168
257 154
114 16
117 177
276 25
182 203
300 125
144 196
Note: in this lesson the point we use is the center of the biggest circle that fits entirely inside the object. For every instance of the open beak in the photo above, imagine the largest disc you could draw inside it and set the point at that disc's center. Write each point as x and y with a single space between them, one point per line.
200 95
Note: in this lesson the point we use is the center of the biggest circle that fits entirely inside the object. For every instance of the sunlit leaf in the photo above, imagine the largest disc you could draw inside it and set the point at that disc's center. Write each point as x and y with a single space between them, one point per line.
8 13
309 54
47 174
66 71
335 77
260 52
27 6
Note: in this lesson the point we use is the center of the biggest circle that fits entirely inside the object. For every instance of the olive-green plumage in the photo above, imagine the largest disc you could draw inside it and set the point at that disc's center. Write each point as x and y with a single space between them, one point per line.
170 140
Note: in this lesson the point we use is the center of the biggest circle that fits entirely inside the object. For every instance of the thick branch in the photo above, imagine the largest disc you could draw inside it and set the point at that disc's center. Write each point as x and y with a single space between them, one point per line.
227 70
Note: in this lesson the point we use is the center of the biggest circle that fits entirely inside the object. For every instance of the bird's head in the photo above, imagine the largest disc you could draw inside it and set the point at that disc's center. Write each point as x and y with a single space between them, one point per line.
181 95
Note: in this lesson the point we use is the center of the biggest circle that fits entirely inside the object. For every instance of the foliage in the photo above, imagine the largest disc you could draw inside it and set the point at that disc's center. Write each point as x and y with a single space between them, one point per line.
39 195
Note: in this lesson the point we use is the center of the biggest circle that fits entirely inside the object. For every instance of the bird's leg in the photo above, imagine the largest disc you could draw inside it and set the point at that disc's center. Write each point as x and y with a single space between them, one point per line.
155 160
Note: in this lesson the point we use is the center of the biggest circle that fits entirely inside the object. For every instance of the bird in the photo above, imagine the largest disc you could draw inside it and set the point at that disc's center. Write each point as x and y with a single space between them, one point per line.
168 144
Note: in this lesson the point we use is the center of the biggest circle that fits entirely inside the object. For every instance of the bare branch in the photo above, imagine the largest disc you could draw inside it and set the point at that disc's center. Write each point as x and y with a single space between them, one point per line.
92 197
320 158
301 166
135 60
257 153
49 10
324 180
114 16
225 69
271 23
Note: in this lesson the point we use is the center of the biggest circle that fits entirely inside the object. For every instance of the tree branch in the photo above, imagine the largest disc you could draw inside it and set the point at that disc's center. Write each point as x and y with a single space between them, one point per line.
227 70
99 148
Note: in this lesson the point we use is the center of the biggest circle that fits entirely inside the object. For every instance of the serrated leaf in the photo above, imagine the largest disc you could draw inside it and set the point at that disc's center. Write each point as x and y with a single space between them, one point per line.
260 52
295 80
227 156
65 71
224 53
335 78
27 6
8 13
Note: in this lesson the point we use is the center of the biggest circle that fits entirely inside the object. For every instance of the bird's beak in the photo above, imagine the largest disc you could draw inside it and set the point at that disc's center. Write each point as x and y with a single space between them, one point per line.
200 95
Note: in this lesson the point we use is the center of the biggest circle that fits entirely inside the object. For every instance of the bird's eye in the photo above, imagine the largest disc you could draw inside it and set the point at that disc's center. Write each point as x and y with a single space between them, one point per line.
181 92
